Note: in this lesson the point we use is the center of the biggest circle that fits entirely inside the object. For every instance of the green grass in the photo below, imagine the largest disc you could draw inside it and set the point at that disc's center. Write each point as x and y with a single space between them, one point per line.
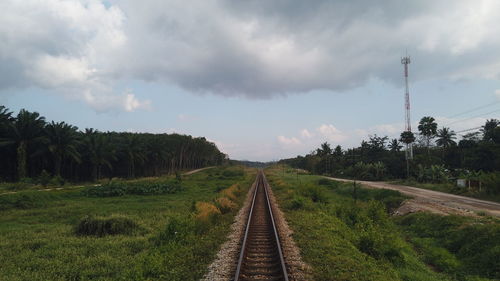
39 237
346 239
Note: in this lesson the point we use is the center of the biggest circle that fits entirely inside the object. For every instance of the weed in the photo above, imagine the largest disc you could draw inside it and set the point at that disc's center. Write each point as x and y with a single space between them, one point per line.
102 226
225 205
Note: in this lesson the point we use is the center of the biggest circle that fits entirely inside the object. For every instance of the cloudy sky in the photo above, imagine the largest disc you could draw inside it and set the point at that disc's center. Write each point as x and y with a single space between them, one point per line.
262 79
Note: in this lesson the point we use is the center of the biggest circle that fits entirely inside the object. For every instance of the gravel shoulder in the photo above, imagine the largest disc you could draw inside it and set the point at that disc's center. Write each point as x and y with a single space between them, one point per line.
435 201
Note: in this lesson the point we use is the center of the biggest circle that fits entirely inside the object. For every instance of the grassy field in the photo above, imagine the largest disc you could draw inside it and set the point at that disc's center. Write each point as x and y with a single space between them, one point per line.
152 229
348 235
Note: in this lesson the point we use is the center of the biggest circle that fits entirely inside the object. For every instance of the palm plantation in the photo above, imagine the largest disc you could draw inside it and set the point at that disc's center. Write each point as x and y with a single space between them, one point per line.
58 147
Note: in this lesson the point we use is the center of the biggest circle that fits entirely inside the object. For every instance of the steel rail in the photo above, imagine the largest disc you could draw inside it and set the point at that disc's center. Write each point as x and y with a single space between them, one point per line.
260 183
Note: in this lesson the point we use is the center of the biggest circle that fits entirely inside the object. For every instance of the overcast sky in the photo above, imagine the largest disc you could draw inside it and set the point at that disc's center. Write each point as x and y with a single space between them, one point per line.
262 79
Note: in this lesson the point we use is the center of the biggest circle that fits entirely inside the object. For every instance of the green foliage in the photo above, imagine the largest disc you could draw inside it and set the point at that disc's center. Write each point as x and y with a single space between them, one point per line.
297 202
102 226
25 200
328 183
44 178
40 244
120 188
315 193
57 181
177 230
455 244
491 182
343 240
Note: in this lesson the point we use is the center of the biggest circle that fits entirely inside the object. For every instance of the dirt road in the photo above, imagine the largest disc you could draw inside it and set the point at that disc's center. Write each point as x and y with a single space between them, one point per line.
435 201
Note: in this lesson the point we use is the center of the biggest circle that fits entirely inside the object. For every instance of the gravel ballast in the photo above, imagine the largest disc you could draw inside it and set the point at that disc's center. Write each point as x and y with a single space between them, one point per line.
224 265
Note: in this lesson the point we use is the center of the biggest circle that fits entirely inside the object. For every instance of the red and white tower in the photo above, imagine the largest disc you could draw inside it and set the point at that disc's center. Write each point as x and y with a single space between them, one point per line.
409 147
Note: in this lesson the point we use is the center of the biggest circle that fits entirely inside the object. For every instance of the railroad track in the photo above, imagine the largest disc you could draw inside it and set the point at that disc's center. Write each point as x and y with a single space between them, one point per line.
261 257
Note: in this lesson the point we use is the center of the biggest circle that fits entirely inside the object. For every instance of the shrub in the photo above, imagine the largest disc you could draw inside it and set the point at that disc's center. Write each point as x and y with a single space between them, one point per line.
177 229
315 193
102 226
108 190
225 205
44 178
18 186
232 173
57 181
231 192
25 200
297 202
328 183
119 188
206 212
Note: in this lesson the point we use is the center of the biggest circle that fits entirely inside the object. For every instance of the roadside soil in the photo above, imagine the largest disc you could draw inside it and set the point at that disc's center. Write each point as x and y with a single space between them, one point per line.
196 171
434 201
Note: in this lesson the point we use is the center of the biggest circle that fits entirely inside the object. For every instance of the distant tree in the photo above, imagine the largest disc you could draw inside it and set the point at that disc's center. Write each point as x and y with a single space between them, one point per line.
5 119
377 143
488 129
99 151
134 152
337 151
446 137
325 149
394 145
407 137
26 130
63 143
428 128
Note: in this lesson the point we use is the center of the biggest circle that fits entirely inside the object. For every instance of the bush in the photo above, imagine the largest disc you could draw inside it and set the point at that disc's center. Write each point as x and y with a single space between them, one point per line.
315 193
44 178
232 173
491 182
225 205
297 202
18 186
119 188
108 190
177 230
101 226
328 183
231 192
206 212
25 200
57 181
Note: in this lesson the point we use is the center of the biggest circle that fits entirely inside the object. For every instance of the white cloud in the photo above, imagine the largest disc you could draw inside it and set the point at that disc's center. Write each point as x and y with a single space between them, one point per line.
256 49
186 117
306 134
331 133
289 141
497 93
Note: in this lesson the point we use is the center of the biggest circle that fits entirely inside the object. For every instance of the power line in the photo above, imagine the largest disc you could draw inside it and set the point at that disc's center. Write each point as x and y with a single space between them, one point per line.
474 109
480 115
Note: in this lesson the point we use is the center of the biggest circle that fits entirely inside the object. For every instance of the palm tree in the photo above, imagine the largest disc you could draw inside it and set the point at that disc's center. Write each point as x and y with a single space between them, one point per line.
428 128
5 118
99 151
446 137
25 131
134 151
394 145
63 142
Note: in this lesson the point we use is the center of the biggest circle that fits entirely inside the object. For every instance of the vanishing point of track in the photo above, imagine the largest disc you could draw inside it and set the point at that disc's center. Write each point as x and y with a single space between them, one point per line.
261 257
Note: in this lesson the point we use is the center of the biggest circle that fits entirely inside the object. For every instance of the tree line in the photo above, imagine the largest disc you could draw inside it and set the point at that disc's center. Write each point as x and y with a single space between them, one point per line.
438 155
30 146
